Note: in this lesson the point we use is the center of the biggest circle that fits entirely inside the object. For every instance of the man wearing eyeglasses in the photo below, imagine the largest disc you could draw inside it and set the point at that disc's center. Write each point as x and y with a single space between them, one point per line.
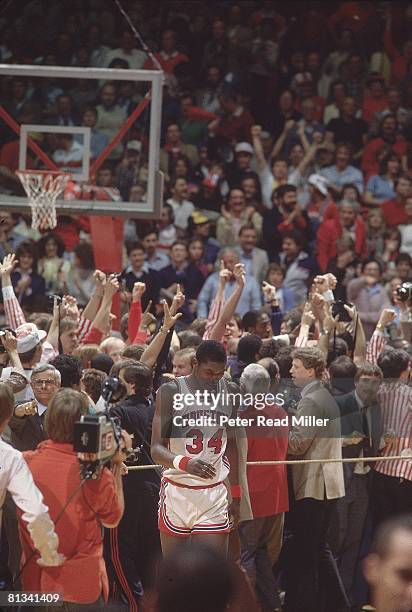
27 422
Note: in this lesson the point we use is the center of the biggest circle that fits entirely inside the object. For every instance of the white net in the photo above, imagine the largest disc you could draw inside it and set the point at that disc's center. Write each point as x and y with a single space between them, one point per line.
43 189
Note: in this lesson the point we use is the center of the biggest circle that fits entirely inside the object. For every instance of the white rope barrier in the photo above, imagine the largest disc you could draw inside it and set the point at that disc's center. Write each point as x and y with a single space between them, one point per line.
136 468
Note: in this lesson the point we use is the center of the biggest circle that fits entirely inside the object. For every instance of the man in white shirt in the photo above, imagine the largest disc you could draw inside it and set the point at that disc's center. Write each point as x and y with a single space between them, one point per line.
69 154
182 207
134 57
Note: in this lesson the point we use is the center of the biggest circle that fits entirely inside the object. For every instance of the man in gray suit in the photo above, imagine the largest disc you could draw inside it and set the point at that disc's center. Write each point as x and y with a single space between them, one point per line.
361 432
255 260
313 583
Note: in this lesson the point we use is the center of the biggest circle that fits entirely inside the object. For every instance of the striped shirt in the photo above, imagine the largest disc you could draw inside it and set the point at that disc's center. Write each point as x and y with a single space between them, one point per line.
395 401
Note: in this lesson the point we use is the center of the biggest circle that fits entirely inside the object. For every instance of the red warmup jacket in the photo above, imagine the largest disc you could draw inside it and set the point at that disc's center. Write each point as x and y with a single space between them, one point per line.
329 233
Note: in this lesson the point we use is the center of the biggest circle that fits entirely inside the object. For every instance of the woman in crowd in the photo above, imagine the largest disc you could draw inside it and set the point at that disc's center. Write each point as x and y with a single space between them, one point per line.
380 187
52 266
30 287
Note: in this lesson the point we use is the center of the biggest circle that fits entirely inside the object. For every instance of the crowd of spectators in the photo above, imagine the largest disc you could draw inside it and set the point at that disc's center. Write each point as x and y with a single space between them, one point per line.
285 235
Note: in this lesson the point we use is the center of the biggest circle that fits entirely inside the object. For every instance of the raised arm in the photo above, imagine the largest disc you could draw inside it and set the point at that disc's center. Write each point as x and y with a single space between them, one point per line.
93 304
229 308
12 308
218 301
261 162
151 353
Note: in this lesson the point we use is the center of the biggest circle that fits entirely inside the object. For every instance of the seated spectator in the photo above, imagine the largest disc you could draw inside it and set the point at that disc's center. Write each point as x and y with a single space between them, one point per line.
304 86
376 101
387 141
276 276
234 216
100 502
298 265
348 222
169 57
180 271
287 112
182 207
69 154
216 50
126 51
29 286
255 260
174 147
129 171
196 251
381 187
394 209
155 258
403 267
139 271
241 166
375 230
285 216
250 299
166 228
194 120
334 103
394 107
208 96
406 229
308 124
251 188
369 295
348 128
52 266
342 172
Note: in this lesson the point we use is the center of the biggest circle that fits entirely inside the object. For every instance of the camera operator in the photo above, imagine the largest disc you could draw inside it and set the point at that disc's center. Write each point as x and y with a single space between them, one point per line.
79 508
135 544
27 423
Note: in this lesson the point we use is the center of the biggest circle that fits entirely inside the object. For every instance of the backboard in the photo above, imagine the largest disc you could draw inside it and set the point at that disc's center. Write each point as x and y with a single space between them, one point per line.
100 124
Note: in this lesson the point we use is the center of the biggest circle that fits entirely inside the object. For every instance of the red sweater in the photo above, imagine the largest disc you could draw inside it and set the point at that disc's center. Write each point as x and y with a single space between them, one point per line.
394 212
329 233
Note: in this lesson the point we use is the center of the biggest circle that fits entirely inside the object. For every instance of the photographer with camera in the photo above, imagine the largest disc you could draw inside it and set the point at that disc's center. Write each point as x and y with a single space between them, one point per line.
78 507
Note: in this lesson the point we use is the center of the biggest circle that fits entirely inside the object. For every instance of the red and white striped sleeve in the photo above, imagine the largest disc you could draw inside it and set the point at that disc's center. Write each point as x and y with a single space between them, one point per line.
375 346
12 308
84 328
214 312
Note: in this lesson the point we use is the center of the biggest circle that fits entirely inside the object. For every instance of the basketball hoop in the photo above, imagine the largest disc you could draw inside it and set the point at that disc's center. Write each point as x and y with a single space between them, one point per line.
43 188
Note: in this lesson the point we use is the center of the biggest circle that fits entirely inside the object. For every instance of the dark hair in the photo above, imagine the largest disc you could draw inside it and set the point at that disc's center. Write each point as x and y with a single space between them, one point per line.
393 362
28 355
148 231
342 367
6 402
247 226
189 338
28 247
338 347
102 362
248 347
210 350
284 360
70 369
134 246
270 347
199 324
281 191
121 365
65 408
174 180
368 369
382 540
296 236
45 239
403 257
369 261
133 351
141 376
92 381
250 319
84 251
169 209
311 358
383 166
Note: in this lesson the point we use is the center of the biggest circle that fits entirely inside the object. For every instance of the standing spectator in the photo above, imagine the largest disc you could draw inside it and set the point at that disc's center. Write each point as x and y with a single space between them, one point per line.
234 215
334 106
276 277
169 57
392 481
98 140
255 260
308 125
235 123
394 209
261 537
381 187
181 271
287 112
110 116
182 207
347 127
376 101
312 580
80 281
342 172
65 114
199 228
127 51
216 50
369 295
348 222
174 147
167 228
297 264
139 271
52 266
208 97
29 286
387 141
154 257
99 502
250 299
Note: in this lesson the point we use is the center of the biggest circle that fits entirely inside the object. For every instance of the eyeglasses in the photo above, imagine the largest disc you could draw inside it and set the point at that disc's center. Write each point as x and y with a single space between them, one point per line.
49 382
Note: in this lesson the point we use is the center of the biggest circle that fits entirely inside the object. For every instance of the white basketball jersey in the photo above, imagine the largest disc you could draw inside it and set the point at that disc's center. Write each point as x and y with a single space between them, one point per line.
205 438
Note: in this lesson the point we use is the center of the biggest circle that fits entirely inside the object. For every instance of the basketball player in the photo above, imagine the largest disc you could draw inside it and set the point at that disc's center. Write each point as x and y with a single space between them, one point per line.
193 496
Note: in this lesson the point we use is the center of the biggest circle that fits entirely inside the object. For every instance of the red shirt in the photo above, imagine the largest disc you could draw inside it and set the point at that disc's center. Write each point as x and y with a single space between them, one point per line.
167 62
82 577
394 212
329 232
268 486
370 162
371 106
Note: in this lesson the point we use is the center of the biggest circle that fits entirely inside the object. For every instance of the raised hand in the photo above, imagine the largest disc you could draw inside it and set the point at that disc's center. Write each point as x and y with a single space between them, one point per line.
8 264
269 291
99 278
70 308
256 131
239 274
138 290
169 319
178 300
387 316
112 286
9 341
147 317
308 318
224 274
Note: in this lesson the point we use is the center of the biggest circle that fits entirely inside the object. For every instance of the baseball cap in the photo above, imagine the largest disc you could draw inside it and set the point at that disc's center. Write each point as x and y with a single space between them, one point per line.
319 182
198 217
244 147
134 145
28 337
